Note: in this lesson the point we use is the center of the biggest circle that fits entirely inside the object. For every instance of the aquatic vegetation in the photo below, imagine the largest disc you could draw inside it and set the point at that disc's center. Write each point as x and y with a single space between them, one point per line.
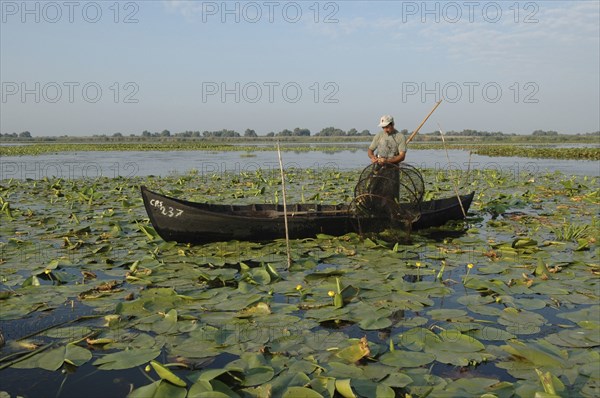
87 286
584 153
247 148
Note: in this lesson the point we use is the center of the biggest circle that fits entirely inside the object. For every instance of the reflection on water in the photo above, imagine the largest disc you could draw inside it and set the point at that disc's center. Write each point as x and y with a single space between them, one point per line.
73 165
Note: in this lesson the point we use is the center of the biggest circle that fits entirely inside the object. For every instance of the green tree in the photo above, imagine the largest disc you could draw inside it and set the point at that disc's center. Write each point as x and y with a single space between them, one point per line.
331 132
298 132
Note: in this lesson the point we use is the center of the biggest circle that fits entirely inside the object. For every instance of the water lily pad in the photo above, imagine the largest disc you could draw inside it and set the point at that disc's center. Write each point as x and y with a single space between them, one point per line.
407 359
368 388
521 321
450 315
490 333
524 242
324 386
357 350
470 386
344 387
257 375
237 302
301 392
54 358
158 389
456 348
126 359
340 370
538 354
375 323
590 313
580 337
255 310
165 374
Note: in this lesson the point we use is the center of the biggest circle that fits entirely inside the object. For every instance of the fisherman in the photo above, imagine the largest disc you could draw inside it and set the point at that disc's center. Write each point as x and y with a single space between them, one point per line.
386 151
389 145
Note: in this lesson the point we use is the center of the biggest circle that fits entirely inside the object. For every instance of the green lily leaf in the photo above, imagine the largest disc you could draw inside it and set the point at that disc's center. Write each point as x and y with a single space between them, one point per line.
158 389
540 354
521 322
524 242
356 351
301 392
407 359
54 358
258 375
164 373
454 341
126 359
368 388
344 387
324 386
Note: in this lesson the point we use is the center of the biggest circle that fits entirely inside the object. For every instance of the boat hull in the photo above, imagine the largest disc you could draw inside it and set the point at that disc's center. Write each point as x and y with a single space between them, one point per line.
190 222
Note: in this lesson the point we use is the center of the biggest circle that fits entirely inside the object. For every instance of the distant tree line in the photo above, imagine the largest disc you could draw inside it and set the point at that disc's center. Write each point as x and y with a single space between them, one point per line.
335 132
24 134
296 132
544 133
473 133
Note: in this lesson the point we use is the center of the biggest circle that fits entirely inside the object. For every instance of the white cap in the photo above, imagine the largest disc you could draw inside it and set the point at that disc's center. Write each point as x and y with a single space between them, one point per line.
386 120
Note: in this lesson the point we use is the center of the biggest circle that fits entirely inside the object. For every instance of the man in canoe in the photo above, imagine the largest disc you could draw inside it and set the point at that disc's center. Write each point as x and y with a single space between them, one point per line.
386 151
389 144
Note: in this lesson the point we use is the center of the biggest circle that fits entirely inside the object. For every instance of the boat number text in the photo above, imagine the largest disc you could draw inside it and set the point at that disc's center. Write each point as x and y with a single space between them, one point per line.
166 210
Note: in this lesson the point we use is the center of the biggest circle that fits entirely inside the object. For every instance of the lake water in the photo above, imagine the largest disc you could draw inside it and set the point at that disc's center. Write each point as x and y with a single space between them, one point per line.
73 165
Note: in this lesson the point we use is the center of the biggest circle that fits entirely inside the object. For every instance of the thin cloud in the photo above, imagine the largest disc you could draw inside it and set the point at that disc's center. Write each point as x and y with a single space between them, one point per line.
552 29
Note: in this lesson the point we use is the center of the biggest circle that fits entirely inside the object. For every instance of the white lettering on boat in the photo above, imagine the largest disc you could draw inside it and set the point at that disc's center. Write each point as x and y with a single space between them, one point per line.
167 211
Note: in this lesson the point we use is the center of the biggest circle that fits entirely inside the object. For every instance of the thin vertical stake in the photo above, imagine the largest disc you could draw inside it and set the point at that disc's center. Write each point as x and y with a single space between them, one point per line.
285 217
454 185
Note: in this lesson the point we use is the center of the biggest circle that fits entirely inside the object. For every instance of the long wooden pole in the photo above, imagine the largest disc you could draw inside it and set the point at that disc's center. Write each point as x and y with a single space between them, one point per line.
409 139
285 216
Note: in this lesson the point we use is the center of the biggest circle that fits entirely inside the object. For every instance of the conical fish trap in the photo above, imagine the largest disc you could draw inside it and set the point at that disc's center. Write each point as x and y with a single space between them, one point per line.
387 195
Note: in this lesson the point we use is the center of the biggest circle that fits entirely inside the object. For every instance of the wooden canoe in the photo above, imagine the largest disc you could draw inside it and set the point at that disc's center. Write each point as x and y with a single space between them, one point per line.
190 222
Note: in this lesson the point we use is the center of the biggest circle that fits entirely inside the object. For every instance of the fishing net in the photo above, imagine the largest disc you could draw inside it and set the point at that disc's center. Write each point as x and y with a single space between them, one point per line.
387 196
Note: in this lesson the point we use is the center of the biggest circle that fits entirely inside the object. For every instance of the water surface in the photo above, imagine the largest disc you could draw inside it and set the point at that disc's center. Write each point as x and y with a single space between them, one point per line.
72 165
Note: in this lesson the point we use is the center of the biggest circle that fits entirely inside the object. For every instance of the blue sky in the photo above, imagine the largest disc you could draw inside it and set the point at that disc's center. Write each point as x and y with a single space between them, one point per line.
83 68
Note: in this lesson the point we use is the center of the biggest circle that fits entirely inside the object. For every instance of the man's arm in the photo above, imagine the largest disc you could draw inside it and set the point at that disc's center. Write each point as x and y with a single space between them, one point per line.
372 147
372 155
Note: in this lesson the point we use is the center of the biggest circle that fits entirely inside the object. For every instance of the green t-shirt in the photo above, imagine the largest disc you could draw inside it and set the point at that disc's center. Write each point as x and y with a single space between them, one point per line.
388 145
